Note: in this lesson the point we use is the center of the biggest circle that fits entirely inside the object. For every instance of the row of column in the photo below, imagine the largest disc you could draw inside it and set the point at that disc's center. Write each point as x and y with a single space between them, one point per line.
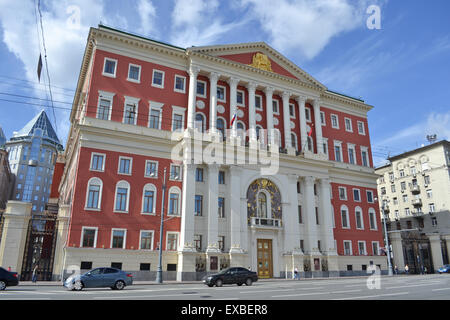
251 87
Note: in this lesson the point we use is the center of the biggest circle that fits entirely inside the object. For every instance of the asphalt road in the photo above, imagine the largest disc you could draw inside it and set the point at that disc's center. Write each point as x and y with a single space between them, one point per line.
412 287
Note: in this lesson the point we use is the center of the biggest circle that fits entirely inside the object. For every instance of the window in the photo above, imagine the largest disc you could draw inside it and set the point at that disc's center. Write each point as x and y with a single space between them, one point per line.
431 207
392 187
221 177
322 118
292 110
199 174
426 179
103 109
403 186
122 196
94 194
220 125
317 215
134 73
369 196
240 97
348 125
407 212
262 205
125 165
89 237
325 146
174 201
180 84
300 217
429 193
130 112
347 248
86 265
361 129
151 169
334 121
405 198
338 151
149 199
294 141
175 172
109 67
342 193
375 248
221 242
275 107
198 242
221 94
362 248
200 122
198 205
146 240
221 207
434 221
172 241
307 114
201 88
158 79
258 102
345 217
177 122
351 154
118 238
144 266
97 162
359 218
372 219
364 156
401 173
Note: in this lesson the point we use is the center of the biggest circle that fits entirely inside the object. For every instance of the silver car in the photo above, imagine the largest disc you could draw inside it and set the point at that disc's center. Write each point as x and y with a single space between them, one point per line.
100 277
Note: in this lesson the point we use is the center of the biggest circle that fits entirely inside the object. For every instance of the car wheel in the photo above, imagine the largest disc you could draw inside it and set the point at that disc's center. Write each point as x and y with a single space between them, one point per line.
248 282
219 283
2 285
78 285
239 284
119 285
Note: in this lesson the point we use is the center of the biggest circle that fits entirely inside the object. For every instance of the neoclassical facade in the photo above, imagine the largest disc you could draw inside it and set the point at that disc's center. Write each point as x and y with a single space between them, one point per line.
266 167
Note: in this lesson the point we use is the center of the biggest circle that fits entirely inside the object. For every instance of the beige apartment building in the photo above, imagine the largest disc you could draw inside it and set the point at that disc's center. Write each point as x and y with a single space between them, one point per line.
414 189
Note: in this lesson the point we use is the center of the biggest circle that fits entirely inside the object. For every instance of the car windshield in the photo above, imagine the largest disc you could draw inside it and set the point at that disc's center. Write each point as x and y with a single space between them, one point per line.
224 271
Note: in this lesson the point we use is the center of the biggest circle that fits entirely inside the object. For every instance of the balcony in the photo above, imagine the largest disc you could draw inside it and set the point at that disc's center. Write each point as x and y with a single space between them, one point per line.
417 202
266 223
415 189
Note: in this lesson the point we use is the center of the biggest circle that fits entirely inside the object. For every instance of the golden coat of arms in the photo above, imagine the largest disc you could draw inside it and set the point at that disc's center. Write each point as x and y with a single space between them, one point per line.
261 61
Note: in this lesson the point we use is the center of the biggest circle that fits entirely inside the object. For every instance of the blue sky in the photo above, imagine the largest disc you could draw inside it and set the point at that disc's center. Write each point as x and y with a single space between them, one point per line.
402 69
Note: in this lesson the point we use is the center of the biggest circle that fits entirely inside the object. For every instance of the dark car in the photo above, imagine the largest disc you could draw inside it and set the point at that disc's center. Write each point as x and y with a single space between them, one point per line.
8 279
234 275
100 277
444 269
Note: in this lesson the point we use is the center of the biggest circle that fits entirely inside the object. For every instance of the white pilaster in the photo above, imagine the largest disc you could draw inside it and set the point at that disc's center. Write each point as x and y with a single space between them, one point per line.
187 213
436 251
326 212
318 125
287 121
213 208
290 217
193 73
301 100
251 87
213 77
233 82
310 216
235 204
269 115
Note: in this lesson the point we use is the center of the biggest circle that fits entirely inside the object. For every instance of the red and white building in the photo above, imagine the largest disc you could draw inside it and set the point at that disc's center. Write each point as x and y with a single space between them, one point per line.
138 100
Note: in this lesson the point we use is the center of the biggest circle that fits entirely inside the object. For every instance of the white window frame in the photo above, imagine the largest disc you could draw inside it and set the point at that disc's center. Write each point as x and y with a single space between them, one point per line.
106 96
224 93
353 193
325 150
363 132
128 75
372 211
378 248
350 249
167 240
99 195
181 172
371 192
345 192
351 146
95 237
145 169
150 187
131 165
365 248
155 106
261 107
344 207
366 150
360 211
124 237
278 107
103 162
203 122
205 91
104 65
349 122
174 189
175 83
122 184
337 121
323 120
243 98
163 79
131 101
153 239
338 143
295 141
293 109
308 114
181 112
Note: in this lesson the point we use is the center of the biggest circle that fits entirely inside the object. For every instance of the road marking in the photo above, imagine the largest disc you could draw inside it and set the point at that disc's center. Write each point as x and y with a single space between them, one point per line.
258 291
300 294
440 289
374 296
346 291
413 285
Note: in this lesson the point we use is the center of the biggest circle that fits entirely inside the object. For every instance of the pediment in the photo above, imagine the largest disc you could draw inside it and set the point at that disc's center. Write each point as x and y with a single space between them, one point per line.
261 56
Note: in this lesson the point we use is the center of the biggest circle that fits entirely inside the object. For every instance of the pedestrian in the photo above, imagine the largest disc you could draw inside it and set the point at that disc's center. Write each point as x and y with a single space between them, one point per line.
34 275
406 269
9 269
396 270
296 274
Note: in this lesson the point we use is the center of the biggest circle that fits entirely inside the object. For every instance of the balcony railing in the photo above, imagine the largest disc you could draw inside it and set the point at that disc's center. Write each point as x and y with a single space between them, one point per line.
417 202
415 189
265 223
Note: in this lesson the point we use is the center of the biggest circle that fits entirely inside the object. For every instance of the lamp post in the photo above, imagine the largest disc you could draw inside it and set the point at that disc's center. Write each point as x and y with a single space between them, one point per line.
386 239
161 228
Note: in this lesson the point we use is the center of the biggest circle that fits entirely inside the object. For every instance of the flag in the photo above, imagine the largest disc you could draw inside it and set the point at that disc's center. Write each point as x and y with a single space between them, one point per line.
232 120
39 68
310 131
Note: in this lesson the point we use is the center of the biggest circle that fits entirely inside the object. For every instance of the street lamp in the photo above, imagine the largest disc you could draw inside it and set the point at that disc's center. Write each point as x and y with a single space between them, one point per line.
386 239
161 228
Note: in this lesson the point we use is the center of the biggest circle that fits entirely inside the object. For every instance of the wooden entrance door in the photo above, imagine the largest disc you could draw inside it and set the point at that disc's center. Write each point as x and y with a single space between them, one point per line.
265 263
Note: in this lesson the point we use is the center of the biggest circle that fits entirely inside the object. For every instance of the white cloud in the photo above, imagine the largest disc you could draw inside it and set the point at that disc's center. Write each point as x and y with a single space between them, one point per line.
306 26
147 14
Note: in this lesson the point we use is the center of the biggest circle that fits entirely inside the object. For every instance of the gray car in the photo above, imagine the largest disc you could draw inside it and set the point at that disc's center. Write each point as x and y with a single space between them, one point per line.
100 277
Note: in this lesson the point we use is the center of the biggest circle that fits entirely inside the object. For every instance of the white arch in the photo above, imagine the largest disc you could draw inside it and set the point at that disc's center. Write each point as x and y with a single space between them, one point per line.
149 187
94 181
358 209
126 185
294 140
345 208
174 190
203 122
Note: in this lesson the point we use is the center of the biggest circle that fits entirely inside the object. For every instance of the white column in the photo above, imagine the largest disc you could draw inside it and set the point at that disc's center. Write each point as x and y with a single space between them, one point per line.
310 216
251 87
436 251
290 215
233 82
287 121
187 213
193 72
213 208
326 212
318 125
213 77
301 100
269 115
235 209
